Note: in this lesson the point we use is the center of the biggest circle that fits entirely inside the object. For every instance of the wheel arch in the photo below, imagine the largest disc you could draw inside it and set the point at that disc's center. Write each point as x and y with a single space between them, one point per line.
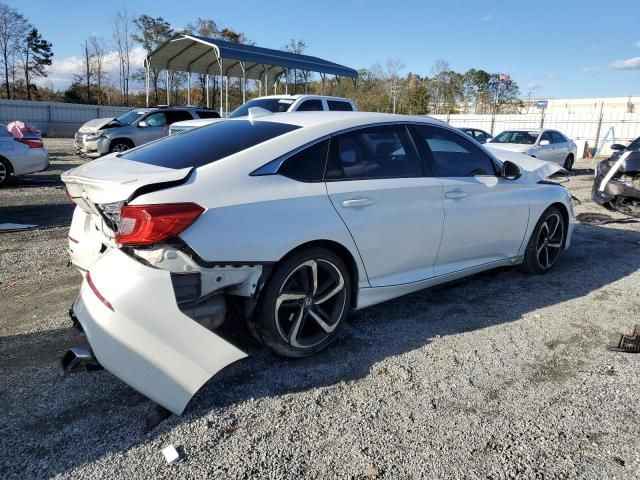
126 139
9 164
565 216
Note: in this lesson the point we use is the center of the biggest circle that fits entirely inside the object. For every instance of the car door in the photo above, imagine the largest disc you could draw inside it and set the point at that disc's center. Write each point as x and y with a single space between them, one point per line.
562 147
546 152
150 127
393 209
485 215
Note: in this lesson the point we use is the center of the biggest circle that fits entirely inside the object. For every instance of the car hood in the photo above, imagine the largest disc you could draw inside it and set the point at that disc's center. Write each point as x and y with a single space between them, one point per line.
512 147
533 169
113 179
94 125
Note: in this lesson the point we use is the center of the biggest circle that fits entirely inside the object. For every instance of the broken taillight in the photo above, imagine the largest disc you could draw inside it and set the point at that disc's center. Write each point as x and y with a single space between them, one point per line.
32 142
149 224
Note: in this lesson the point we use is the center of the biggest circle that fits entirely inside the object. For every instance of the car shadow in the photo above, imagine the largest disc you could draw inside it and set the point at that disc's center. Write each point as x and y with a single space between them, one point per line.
43 215
45 409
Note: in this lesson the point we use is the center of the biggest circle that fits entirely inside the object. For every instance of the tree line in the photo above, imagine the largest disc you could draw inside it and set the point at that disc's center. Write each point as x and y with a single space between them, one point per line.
384 87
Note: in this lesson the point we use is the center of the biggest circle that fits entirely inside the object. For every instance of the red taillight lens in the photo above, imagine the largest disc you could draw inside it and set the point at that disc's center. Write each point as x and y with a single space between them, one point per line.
97 293
149 224
32 142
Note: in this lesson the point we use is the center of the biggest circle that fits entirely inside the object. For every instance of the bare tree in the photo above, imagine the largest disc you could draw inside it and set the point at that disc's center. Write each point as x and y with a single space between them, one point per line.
296 46
87 70
13 30
123 28
97 53
393 67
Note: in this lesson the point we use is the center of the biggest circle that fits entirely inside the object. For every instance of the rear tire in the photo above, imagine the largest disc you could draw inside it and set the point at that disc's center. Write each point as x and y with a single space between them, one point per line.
568 163
546 242
304 303
5 172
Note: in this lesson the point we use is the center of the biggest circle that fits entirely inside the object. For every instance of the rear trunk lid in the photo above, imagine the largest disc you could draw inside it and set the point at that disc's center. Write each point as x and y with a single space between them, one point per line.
102 186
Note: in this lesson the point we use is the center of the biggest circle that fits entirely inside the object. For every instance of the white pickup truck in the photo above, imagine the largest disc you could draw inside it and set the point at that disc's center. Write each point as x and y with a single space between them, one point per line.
275 104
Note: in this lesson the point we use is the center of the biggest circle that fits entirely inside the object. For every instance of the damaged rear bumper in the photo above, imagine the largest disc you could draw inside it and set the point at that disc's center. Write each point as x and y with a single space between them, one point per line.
139 334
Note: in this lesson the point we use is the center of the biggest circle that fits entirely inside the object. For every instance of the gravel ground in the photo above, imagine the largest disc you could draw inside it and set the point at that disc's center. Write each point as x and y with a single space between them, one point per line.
502 375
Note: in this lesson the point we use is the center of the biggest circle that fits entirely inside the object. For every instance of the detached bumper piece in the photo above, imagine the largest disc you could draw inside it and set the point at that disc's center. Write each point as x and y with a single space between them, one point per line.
79 358
137 332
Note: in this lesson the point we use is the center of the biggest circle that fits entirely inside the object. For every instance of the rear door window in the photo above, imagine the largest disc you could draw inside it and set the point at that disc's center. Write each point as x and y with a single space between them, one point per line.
337 105
374 152
310 106
208 114
207 144
178 116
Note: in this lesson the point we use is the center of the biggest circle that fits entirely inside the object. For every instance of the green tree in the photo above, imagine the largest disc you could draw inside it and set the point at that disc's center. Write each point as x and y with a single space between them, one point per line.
504 94
417 99
38 54
151 33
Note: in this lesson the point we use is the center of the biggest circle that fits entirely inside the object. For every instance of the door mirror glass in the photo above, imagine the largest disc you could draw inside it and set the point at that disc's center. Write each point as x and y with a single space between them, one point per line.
510 171
544 143
143 124
618 147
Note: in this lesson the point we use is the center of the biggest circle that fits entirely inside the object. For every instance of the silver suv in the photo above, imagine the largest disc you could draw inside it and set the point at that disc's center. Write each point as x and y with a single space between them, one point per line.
106 135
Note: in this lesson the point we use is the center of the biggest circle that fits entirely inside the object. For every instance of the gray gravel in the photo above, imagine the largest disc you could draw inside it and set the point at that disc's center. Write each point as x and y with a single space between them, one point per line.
502 375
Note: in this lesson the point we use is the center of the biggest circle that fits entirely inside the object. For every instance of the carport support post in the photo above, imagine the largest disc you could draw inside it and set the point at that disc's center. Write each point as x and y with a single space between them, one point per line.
189 88
286 82
323 77
244 82
220 64
167 85
146 64
206 83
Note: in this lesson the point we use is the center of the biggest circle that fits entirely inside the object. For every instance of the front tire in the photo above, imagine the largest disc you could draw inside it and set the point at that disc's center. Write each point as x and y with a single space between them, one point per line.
568 162
119 146
5 172
304 303
546 242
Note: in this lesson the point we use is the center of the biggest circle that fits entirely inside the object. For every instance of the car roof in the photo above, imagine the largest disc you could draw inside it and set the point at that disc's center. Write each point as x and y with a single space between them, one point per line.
345 119
303 95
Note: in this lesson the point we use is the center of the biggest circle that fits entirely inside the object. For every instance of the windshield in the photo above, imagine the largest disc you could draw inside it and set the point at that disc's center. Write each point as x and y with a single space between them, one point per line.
129 117
275 105
635 145
521 137
207 144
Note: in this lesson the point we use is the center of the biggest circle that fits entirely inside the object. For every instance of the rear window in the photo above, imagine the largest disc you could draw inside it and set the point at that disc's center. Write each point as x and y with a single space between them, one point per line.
337 105
208 114
207 144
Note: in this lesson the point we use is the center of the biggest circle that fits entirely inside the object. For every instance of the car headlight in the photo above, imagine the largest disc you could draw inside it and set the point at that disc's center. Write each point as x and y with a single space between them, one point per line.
94 136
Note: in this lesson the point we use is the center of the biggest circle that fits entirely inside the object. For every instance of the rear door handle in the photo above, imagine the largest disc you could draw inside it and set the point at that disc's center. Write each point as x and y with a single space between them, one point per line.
455 194
356 202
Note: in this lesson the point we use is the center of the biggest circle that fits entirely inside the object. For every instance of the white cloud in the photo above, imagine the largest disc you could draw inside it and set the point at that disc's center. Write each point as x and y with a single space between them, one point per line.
487 17
533 86
628 64
62 70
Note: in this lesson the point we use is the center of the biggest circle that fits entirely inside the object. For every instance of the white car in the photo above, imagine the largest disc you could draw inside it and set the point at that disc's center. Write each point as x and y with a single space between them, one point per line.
301 218
549 145
276 104
20 156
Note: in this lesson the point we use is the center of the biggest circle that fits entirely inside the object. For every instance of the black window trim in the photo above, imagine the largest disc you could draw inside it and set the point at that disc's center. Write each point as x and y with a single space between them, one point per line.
497 165
272 167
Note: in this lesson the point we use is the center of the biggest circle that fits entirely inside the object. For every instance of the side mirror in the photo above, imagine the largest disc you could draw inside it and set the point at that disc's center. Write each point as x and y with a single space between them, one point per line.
510 171
544 143
143 124
618 147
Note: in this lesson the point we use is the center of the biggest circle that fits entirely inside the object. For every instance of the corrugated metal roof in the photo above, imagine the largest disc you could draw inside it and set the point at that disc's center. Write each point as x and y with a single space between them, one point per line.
201 55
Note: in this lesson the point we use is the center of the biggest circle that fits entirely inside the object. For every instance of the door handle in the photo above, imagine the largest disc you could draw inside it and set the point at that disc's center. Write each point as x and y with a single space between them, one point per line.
356 202
455 194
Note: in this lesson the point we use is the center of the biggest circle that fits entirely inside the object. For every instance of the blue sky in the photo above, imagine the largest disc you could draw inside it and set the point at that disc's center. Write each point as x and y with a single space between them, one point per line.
561 48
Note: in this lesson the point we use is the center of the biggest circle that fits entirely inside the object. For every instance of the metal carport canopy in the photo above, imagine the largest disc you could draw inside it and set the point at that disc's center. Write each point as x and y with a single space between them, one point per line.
192 53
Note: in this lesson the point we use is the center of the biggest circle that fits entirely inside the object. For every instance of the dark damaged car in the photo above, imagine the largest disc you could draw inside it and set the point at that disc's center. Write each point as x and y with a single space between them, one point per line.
617 183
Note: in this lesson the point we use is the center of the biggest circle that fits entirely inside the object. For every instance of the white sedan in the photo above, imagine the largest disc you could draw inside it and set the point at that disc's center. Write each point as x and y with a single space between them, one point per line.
20 156
544 144
301 218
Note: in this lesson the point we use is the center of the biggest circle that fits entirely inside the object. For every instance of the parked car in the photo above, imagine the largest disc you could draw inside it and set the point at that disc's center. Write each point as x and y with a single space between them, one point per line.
300 218
478 135
544 144
20 156
106 135
617 183
276 104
